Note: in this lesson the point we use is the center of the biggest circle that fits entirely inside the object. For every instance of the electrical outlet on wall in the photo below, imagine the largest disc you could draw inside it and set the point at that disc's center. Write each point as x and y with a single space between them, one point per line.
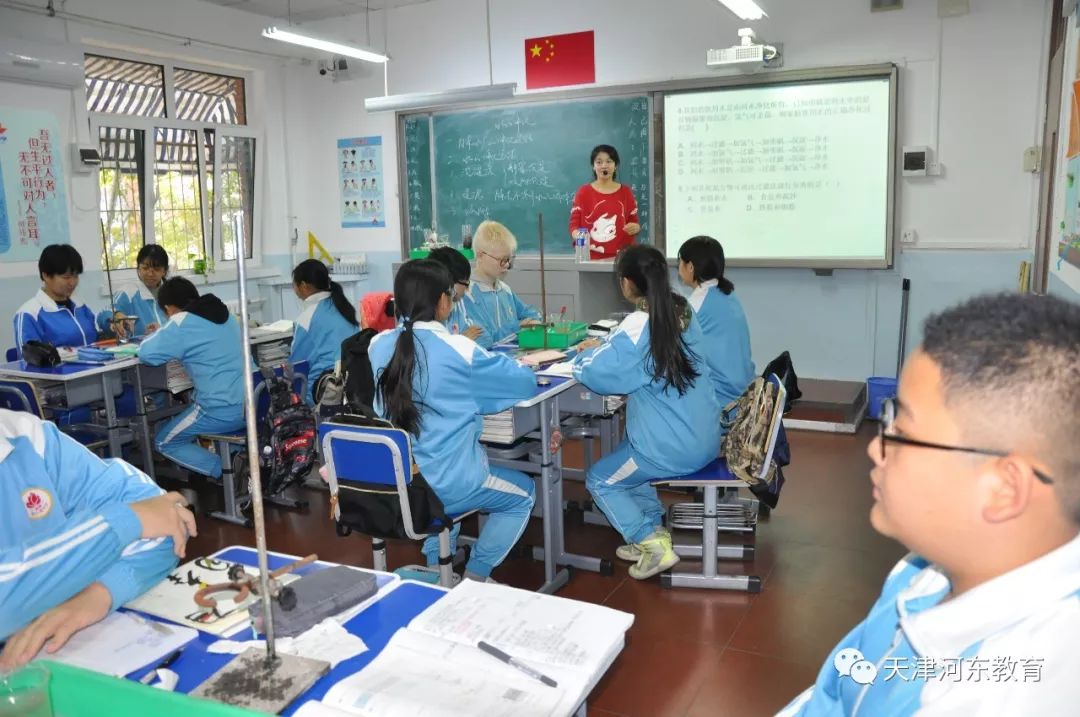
908 236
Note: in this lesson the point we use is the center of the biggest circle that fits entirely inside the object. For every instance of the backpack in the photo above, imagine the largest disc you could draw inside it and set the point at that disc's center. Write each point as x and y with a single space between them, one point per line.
749 421
356 373
287 438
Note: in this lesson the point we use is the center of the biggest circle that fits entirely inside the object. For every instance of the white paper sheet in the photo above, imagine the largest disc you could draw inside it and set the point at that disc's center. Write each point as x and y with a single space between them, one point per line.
327 641
121 643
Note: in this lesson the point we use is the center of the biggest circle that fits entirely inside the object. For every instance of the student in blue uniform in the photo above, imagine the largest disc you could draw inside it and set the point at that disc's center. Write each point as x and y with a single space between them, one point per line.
79 536
460 272
139 299
490 302
436 385
726 347
203 336
672 415
976 470
327 320
52 315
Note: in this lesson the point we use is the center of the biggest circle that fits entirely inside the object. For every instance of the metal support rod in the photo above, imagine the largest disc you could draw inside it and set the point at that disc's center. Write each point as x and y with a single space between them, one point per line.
253 451
543 284
904 295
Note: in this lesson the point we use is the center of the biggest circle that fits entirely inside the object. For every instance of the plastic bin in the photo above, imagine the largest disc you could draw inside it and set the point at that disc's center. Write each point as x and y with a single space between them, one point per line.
80 693
421 253
878 388
561 335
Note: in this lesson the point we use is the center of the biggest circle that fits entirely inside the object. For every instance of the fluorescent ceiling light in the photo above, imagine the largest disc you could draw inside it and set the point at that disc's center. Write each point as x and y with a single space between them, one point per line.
746 9
425 100
335 48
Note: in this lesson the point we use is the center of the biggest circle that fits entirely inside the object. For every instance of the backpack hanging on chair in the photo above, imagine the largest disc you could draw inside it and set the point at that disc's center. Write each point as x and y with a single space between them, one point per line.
749 421
287 440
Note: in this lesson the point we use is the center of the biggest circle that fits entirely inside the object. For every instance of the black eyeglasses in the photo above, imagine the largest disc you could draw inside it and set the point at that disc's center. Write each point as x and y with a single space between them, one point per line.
505 262
885 435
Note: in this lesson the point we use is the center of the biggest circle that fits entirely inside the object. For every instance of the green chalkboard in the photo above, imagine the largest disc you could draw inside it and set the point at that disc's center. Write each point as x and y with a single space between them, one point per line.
512 162
418 176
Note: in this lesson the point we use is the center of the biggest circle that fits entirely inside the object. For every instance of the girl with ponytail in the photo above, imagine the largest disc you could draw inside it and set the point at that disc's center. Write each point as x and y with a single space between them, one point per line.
723 322
672 415
327 319
435 385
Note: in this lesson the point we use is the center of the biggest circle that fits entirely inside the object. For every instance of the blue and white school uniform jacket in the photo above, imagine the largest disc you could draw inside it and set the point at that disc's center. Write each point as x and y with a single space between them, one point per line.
458 320
43 319
1006 647
318 334
497 309
672 432
206 339
458 382
138 301
726 347
65 523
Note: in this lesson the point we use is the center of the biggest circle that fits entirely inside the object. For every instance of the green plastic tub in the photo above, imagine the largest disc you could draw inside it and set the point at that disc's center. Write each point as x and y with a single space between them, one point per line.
560 335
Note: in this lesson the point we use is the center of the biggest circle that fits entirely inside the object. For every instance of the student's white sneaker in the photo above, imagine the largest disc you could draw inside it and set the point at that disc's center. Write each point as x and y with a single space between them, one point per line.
630 552
657 556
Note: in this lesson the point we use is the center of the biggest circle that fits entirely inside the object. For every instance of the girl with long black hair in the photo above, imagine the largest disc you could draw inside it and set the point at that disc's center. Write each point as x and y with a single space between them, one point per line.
327 319
723 322
672 416
436 385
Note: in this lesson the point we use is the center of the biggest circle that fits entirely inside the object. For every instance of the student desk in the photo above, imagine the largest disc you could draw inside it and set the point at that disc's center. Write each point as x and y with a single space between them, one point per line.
85 383
397 603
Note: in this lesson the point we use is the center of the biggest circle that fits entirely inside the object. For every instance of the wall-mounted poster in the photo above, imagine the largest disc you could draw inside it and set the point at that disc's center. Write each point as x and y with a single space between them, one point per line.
33 201
360 177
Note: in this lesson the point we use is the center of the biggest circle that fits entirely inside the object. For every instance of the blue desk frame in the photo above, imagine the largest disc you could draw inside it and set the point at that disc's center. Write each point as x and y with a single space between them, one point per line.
392 610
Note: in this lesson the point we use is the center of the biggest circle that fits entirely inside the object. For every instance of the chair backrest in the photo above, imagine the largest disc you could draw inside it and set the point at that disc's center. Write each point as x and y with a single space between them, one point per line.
778 421
262 396
19 395
374 455
12 354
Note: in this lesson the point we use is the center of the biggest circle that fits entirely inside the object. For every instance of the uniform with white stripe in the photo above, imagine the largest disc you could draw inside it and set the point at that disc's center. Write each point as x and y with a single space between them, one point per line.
726 345
458 320
454 384
211 352
65 523
1005 647
138 301
320 329
42 319
667 435
497 309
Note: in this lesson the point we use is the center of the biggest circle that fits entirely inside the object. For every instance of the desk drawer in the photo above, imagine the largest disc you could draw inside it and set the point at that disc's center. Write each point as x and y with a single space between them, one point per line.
583 401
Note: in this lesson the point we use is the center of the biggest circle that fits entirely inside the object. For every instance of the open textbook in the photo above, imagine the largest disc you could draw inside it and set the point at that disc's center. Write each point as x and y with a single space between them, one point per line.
433 667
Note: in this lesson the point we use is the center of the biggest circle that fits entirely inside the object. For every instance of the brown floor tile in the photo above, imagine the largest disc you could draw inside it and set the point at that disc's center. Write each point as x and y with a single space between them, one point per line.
702 616
749 685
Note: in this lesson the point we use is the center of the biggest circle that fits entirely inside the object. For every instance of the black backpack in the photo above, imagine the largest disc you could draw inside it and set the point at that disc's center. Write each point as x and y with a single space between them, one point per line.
287 438
359 382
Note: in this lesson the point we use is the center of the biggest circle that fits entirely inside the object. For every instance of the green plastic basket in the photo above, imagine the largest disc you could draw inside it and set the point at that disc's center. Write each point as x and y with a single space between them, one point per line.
419 253
560 335
80 693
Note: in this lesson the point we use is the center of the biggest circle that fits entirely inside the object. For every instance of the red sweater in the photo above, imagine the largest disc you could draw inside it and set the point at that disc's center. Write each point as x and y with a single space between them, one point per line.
605 216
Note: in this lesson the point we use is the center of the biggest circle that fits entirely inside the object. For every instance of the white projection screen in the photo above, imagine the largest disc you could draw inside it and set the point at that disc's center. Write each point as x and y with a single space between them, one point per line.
796 174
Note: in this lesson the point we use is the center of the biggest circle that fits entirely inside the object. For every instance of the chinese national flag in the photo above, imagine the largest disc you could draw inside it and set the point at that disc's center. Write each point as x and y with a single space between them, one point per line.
558 60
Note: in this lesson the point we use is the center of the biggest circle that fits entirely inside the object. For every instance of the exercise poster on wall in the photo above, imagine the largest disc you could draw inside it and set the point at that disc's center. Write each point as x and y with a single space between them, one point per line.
33 202
360 175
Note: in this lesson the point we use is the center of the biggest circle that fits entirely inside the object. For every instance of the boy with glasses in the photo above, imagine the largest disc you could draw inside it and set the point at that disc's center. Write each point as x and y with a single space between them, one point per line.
977 472
460 271
490 302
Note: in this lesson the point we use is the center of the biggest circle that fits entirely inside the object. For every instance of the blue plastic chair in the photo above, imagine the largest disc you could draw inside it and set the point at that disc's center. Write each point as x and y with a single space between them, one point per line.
21 395
711 479
381 456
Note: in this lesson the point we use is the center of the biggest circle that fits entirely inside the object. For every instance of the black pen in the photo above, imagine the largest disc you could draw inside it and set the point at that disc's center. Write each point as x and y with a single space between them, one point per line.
513 662
167 662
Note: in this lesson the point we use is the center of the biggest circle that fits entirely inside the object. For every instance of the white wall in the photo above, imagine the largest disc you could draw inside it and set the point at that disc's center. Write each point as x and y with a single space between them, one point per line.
974 224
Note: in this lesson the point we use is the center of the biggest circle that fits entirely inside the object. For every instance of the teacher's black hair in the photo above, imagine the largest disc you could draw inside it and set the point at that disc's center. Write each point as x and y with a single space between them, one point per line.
645 267
609 151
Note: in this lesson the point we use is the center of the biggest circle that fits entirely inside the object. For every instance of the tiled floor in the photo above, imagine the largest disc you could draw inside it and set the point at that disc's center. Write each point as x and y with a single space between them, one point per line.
691 652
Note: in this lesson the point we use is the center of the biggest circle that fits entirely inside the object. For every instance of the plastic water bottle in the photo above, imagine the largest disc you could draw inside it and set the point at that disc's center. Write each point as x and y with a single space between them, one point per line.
581 247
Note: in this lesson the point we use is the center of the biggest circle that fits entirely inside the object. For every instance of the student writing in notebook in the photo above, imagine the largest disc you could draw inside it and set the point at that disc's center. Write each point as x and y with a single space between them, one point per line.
976 470
490 302
435 385
672 415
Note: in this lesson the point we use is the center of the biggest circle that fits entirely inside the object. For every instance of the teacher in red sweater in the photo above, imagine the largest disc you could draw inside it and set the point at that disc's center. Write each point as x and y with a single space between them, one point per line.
604 207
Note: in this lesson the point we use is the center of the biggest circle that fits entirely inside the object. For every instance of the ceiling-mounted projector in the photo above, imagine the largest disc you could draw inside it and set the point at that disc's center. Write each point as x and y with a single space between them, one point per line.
747 51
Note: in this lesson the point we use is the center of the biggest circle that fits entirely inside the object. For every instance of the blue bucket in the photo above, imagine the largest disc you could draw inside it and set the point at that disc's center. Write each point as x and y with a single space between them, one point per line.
878 388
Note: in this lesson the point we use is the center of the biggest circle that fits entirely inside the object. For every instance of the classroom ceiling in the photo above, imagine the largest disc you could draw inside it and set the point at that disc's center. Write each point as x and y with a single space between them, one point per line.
300 11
